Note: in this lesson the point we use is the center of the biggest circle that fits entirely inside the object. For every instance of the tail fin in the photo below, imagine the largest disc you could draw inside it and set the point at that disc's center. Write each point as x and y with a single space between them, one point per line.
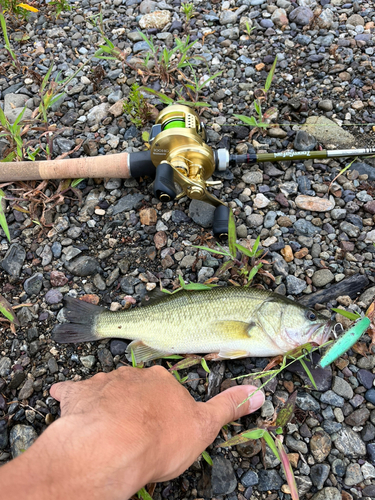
82 318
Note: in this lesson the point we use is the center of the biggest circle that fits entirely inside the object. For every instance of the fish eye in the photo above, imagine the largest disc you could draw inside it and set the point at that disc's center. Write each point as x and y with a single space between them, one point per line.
310 315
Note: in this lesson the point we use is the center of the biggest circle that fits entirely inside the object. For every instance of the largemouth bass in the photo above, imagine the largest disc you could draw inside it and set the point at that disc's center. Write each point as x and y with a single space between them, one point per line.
233 322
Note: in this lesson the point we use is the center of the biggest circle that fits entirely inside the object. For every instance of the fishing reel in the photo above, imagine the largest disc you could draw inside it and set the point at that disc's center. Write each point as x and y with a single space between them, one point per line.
181 157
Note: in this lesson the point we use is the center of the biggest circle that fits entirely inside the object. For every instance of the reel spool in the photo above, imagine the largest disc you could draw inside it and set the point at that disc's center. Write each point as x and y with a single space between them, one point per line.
181 155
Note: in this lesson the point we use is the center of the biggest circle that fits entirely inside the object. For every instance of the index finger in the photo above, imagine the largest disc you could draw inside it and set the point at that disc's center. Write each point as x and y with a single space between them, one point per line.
58 391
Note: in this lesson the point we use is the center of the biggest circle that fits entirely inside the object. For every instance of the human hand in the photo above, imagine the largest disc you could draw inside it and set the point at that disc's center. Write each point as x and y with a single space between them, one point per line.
121 430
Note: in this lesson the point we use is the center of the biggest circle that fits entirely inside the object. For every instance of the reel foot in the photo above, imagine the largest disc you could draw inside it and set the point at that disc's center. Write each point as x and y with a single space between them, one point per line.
220 223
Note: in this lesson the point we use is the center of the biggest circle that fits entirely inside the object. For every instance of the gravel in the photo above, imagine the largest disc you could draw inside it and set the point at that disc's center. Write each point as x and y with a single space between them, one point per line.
319 241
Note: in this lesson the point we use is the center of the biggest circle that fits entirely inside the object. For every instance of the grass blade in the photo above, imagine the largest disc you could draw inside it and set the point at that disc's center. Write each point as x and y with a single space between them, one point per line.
288 470
7 310
347 314
270 76
311 378
3 221
207 457
271 443
244 437
232 235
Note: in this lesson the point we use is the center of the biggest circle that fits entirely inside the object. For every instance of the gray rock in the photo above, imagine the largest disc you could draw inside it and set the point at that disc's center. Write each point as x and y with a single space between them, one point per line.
301 16
325 130
254 220
52 365
21 438
33 285
327 494
296 445
3 434
306 402
204 274
250 478
349 443
319 474
331 398
88 361
82 266
353 475
231 33
97 114
223 478
202 213
325 105
280 267
46 255
350 229
322 277
228 17
294 285
147 6
26 390
253 177
304 485
105 357
270 219
305 228
304 141
338 213
269 480
126 203
5 364
13 260
368 296
342 388
140 47
53 296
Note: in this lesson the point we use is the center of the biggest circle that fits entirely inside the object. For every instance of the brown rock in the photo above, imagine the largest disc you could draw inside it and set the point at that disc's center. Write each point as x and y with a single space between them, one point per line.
346 496
314 203
250 449
117 108
148 216
227 384
280 198
289 386
58 278
167 262
284 221
26 390
320 446
287 253
293 459
347 246
259 66
301 253
160 239
358 417
370 207
91 298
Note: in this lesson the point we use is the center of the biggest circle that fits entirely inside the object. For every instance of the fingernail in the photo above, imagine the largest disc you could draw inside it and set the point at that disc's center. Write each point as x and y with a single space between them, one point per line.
257 398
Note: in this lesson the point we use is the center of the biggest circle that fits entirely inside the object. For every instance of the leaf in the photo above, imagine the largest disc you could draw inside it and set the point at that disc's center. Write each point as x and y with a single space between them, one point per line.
7 310
224 267
287 470
254 271
311 378
243 437
286 413
27 7
3 220
134 361
145 136
19 118
232 235
271 443
207 457
206 82
198 286
212 250
75 182
270 76
258 109
174 356
10 157
249 120
186 363
347 314
142 493
204 365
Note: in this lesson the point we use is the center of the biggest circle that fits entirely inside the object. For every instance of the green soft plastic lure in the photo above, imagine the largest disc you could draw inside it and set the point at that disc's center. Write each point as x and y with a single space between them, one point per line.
345 342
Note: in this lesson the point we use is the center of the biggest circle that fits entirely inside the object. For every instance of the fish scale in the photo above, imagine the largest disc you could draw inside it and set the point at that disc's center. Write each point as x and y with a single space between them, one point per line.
232 322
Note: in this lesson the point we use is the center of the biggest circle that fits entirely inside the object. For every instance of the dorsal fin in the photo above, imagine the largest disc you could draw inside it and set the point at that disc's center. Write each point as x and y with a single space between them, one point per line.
154 297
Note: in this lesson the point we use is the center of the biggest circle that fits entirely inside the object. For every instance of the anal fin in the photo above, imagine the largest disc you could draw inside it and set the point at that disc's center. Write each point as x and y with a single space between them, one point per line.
227 353
143 352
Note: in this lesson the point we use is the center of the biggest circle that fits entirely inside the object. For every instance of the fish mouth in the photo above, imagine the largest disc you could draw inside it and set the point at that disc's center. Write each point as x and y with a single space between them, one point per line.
322 336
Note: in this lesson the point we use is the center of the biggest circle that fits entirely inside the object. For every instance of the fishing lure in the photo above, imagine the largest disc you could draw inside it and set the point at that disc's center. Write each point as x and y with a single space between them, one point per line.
345 342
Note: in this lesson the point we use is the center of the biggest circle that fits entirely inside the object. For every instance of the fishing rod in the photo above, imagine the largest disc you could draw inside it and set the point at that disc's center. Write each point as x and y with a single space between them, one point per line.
179 159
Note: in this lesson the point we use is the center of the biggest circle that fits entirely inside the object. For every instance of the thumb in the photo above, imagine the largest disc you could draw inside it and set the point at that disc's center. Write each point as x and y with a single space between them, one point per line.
227 406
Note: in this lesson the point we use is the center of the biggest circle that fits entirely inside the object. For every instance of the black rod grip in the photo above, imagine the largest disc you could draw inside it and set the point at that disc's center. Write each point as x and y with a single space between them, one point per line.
141 165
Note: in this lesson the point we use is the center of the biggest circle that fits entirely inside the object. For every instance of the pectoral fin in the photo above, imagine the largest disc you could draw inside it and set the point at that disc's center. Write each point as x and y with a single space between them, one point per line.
227 353
143 352
234 329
